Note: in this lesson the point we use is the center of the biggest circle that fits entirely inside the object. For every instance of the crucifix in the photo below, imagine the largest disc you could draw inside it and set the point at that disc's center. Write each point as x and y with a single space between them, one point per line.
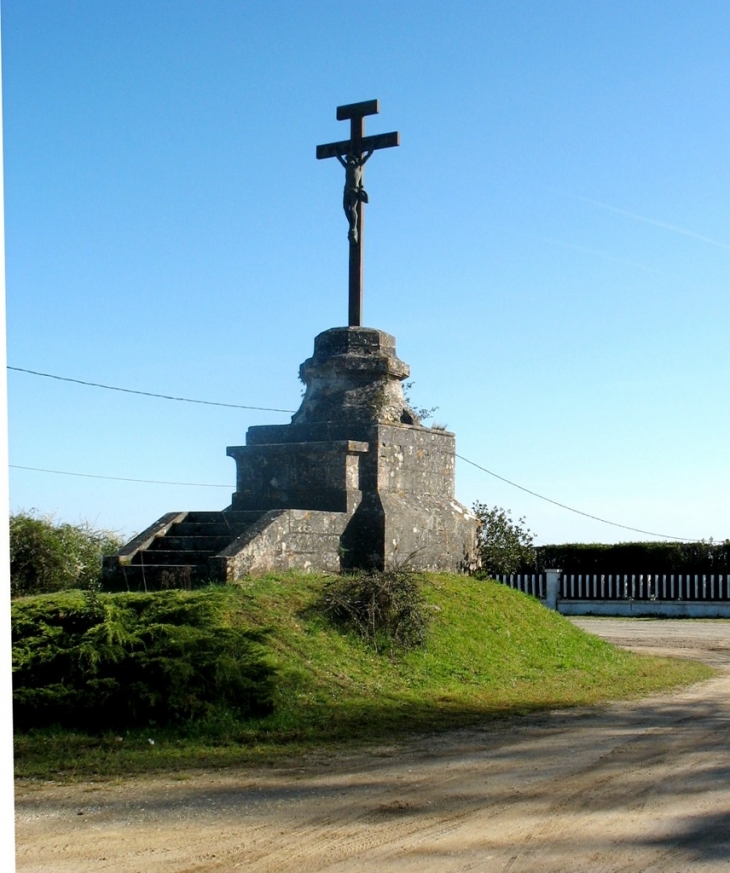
353 153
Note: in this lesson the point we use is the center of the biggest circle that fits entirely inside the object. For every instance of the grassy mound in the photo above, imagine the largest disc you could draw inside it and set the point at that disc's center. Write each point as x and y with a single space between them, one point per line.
489 652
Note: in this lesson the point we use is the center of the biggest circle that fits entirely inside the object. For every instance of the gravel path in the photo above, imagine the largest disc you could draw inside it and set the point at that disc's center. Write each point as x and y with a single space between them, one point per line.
639 786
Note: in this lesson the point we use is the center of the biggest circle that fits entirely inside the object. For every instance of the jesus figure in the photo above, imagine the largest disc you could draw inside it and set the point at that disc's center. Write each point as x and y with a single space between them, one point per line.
354 193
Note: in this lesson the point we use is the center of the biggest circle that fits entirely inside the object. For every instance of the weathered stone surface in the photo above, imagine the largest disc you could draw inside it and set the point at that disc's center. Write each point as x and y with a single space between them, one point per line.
354 481
289 539
395 478
354 374
313 475
417 461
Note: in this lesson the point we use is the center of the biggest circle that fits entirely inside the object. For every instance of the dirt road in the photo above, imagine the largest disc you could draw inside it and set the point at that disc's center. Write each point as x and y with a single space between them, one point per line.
628 787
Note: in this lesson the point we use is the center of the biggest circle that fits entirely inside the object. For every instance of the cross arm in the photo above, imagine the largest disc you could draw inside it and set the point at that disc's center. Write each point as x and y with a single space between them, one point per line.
367 143
358 110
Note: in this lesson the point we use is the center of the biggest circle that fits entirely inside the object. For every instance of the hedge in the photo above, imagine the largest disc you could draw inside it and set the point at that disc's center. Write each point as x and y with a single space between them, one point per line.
651 557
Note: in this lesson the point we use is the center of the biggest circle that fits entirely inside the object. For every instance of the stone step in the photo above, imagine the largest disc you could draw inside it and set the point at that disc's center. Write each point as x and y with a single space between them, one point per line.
207 529
227 516
176 557
230 524
204 516
160 576
179 558
195 543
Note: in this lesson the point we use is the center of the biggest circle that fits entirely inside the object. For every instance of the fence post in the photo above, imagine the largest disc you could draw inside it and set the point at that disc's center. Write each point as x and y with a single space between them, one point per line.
552 588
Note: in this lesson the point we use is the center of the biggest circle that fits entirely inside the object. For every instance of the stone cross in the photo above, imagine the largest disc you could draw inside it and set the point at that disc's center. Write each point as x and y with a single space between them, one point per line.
352 153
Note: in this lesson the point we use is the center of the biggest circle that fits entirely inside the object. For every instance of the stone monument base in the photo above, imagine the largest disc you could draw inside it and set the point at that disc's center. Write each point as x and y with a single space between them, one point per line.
354 482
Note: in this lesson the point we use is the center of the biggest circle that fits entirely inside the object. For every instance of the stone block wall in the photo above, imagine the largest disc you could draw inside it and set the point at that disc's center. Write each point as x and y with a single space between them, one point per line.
414 460
321 475
285 539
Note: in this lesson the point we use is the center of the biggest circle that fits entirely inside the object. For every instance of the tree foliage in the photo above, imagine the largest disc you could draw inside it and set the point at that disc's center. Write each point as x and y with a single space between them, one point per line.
46 556
505 546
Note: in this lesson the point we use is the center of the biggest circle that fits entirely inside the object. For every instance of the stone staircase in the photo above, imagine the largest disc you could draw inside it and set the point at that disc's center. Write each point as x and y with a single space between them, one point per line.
174 552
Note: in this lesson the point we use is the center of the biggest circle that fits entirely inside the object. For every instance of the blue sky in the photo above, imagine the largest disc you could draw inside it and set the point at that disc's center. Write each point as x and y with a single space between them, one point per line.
550 245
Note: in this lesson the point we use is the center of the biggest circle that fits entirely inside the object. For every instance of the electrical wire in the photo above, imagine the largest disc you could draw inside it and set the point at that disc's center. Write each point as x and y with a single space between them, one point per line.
273 409
147 393
461 457
118 478
570 508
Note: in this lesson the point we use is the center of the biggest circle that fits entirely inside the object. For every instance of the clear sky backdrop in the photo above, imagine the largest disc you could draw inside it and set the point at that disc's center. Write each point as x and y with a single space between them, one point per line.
550 245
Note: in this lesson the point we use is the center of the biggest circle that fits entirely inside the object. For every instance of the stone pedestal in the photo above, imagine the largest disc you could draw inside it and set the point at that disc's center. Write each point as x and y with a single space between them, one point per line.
356 450
353 482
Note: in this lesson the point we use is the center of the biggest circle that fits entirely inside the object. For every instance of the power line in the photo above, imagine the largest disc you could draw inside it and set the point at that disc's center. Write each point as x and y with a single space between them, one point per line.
118 478
147 393
272 409
570 508
461 457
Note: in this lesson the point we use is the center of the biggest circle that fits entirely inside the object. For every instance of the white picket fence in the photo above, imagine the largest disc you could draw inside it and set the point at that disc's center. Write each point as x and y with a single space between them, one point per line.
631 593
626 586
528 583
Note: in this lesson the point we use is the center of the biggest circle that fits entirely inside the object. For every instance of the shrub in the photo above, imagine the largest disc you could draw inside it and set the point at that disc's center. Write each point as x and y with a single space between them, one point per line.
422 413
505 546
649 557
95 661
386 608
46 556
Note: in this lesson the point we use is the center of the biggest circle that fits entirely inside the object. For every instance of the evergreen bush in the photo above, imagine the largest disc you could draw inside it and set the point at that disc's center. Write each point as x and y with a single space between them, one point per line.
96 661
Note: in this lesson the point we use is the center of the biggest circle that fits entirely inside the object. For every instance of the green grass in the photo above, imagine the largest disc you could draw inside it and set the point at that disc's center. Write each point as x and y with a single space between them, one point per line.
491 652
